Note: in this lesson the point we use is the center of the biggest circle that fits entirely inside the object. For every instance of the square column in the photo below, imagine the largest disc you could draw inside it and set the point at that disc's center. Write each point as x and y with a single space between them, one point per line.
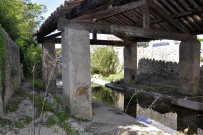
130 63
189 67
48 65
76 72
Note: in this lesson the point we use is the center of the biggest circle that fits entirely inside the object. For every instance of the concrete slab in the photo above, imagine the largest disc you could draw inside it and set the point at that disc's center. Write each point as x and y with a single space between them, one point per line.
109 121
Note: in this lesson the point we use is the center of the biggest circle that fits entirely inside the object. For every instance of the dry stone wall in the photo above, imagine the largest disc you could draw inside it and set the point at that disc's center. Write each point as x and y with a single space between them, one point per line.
153 69
13 70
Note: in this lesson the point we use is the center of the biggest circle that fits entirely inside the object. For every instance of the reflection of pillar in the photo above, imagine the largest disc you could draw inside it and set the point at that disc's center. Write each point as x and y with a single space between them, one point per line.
189 67
119 103
49 67
76 72
130 64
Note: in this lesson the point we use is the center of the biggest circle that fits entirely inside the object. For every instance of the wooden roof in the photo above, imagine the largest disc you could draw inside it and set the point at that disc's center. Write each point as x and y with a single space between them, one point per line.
184 16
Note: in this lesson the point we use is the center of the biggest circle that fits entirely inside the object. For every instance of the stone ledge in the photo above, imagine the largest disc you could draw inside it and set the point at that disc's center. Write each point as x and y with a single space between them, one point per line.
190 104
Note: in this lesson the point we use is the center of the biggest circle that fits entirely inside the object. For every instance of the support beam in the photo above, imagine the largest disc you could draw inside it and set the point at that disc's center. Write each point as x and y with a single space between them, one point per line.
102 42
189 67
49 67
76 72
167 18
111 11
146 14
121 30
130 63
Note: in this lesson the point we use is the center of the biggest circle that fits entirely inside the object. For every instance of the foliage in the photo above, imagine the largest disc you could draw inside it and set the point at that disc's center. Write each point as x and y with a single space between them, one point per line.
20 18
2 64
104 61
201 58
201 40
114 77
32 59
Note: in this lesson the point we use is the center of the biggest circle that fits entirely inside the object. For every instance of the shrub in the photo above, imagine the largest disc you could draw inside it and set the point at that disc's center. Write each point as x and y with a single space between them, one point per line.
104 61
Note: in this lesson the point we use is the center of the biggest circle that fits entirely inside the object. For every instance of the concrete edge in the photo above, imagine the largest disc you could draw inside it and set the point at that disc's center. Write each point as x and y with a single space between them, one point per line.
189 104
197 106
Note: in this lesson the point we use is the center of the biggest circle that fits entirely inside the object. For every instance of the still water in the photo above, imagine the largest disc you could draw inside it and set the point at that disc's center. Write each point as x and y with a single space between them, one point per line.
146 108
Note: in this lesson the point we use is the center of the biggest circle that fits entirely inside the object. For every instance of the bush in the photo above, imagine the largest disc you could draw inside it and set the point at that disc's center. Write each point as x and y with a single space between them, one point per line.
104 61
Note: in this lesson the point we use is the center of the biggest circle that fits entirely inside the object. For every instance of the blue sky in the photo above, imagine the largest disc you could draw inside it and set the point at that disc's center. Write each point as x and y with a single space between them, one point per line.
51 5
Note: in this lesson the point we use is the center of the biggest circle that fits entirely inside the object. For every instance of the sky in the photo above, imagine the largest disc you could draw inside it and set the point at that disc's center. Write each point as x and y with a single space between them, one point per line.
50 4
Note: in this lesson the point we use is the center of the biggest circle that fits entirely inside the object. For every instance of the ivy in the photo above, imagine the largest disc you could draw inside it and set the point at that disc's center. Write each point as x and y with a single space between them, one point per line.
2 63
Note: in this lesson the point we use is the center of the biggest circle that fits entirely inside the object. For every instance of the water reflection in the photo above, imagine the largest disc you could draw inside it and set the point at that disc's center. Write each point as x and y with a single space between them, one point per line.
162 111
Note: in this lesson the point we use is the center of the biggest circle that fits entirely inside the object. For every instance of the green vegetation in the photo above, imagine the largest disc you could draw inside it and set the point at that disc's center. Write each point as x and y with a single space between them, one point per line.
2 64
201 40
114 77
37 83
12 105
201 58
20 18
104 61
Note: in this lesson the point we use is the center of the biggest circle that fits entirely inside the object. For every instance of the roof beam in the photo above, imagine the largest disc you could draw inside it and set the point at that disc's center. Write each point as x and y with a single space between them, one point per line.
121 30
111 11
167 18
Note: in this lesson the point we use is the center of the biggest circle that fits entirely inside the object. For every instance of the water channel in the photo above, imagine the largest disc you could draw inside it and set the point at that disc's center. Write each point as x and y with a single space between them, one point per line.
147 109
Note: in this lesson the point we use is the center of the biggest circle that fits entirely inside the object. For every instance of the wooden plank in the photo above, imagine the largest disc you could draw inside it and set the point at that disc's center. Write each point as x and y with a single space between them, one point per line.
146 14
121 30
167 18
111 11
83 7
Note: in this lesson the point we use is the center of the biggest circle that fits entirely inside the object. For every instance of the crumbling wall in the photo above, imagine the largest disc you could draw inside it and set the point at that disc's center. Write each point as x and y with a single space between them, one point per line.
13 70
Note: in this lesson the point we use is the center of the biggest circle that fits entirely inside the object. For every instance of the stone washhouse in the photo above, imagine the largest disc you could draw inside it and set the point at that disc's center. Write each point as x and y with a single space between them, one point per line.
132 21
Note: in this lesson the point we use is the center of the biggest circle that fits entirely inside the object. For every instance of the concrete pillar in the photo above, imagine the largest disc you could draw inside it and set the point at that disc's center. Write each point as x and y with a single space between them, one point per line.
189 67
48 65
130 64
76 72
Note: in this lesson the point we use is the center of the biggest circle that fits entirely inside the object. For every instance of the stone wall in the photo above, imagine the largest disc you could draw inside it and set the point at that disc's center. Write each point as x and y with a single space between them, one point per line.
13 69
151 70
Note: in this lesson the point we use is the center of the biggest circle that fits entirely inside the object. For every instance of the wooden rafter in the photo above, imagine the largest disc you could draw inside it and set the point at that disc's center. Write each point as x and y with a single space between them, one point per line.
177 16
83 7
111 11
167 18
146 16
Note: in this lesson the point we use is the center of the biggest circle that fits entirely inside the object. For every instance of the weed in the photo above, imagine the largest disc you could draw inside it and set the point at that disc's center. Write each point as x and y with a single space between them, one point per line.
37 83
12 105
4 122
148 88
55 130
172 90
19 92
196 97
51 121
58 100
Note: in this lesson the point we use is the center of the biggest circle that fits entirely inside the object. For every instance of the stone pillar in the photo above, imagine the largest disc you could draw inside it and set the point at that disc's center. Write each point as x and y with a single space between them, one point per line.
130 63
189 67
76 72
48 65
